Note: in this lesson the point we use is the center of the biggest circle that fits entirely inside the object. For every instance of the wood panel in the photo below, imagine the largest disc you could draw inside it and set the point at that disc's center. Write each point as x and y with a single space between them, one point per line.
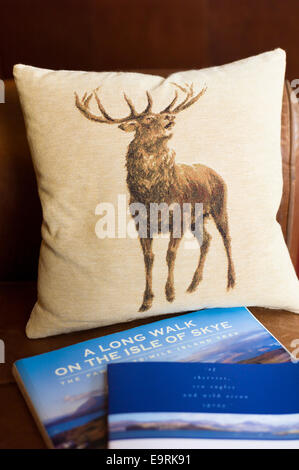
127 34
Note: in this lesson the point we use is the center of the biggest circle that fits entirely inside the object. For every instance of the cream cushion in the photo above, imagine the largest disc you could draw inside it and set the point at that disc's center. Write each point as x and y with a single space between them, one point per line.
92 268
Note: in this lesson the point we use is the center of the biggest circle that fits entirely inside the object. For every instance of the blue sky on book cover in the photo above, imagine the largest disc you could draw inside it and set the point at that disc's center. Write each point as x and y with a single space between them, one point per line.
67 387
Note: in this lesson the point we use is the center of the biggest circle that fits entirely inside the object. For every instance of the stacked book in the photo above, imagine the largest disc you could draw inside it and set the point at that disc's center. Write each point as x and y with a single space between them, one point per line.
204 401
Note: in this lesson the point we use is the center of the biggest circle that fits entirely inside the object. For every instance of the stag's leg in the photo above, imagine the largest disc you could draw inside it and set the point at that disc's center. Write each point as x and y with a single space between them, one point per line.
170 259
146 244
197 276
222 225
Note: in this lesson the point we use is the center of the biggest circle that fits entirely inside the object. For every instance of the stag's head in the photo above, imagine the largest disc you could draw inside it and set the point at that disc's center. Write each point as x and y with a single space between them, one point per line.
145 124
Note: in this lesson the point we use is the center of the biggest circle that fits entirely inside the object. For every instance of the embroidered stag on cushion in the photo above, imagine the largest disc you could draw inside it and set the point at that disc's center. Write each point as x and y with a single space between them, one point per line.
153 176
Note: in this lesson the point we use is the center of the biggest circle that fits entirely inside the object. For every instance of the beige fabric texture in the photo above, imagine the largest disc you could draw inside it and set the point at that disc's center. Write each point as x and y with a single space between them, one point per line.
233 128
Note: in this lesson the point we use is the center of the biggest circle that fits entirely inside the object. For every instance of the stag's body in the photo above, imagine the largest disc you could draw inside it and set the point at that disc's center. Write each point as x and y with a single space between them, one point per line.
153 176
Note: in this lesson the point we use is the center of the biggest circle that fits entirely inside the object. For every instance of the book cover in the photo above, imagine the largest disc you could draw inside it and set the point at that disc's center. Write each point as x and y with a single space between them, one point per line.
199 405
66 389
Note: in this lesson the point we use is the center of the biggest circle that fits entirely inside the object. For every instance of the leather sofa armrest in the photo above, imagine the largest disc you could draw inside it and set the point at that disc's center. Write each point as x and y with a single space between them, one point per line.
288 214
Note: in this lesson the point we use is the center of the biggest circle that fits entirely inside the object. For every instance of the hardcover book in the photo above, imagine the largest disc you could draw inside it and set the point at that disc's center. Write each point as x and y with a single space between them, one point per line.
203 405
66 389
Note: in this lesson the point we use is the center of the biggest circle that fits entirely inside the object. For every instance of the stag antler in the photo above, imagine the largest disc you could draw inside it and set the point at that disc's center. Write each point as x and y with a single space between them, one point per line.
83 106
188 101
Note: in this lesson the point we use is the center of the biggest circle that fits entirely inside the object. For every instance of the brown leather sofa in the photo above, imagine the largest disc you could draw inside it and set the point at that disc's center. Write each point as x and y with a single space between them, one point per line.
20 218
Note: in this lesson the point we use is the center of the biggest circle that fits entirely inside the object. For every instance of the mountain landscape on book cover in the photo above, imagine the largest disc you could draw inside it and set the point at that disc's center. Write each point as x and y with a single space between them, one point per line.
67 387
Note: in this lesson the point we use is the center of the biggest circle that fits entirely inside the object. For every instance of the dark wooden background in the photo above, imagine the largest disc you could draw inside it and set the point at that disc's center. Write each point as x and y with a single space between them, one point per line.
130 34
